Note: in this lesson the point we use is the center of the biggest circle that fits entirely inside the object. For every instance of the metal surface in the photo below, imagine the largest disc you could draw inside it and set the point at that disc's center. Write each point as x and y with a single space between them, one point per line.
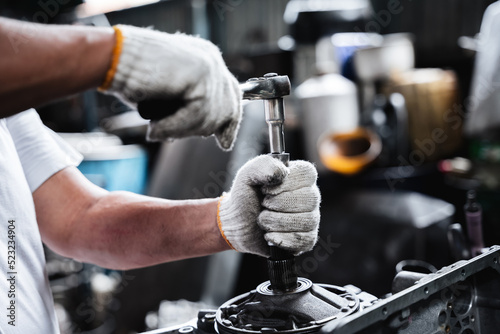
271 88
305 309
426 307
275 117
463 298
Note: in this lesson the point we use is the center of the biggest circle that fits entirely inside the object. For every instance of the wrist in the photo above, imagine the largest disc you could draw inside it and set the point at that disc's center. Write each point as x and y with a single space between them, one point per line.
219 223
114 58
96 47
132 73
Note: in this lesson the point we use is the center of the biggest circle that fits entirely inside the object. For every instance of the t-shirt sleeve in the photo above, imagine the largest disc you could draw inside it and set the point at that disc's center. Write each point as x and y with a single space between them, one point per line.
41 151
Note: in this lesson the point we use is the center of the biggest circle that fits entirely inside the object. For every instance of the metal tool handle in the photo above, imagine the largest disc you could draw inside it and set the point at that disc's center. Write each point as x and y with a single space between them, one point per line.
271 88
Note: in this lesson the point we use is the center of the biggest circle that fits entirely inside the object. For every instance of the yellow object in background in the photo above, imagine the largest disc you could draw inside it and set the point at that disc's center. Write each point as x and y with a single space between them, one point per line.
349 152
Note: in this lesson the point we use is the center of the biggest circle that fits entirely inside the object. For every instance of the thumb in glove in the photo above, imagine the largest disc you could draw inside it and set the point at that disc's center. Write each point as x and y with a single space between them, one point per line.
271 203
152 65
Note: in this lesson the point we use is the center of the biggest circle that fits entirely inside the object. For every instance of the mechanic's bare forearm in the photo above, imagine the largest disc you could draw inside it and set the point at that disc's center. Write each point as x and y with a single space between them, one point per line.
121 230
40 63
130 231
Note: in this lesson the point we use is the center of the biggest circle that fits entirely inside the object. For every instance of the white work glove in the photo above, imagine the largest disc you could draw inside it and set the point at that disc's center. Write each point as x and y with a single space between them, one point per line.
157 65
270 203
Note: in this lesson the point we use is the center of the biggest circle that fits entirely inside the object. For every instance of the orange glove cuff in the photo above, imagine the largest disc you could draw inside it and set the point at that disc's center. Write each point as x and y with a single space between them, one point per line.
115 58
219 223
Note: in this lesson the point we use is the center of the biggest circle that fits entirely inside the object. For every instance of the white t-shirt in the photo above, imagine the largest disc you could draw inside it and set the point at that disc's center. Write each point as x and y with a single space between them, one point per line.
29 154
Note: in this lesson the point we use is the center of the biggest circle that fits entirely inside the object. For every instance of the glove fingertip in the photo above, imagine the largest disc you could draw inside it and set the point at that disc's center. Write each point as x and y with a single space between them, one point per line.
152 135
226 135
264 170
280 172
306 168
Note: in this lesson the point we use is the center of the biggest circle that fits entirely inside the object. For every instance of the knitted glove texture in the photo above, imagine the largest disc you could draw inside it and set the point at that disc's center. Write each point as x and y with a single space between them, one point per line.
271 204
179 67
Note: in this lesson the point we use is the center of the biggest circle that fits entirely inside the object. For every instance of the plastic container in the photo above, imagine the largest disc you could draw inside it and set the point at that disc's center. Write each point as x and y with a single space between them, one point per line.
328 105
110 164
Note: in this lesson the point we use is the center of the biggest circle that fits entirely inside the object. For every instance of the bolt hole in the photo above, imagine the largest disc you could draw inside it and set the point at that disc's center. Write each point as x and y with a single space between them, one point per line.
426 291
463 272
442 318
495 260
384 311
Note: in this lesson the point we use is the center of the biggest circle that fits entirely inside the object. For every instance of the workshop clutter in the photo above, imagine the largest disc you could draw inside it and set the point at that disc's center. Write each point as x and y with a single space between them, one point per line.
369 105
431 95
329 105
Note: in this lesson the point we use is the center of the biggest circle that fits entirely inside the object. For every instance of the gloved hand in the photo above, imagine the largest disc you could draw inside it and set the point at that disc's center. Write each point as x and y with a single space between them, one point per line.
271 203
157 65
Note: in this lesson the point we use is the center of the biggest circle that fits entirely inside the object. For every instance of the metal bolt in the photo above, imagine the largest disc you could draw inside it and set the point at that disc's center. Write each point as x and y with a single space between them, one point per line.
204 314
270 75
253 79
187 329
405 313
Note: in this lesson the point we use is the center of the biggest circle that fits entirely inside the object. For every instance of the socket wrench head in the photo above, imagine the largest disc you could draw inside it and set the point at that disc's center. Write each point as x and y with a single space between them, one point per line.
270 86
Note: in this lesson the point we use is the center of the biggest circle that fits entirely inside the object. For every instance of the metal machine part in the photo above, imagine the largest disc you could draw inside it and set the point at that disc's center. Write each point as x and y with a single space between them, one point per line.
463 298
304 309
